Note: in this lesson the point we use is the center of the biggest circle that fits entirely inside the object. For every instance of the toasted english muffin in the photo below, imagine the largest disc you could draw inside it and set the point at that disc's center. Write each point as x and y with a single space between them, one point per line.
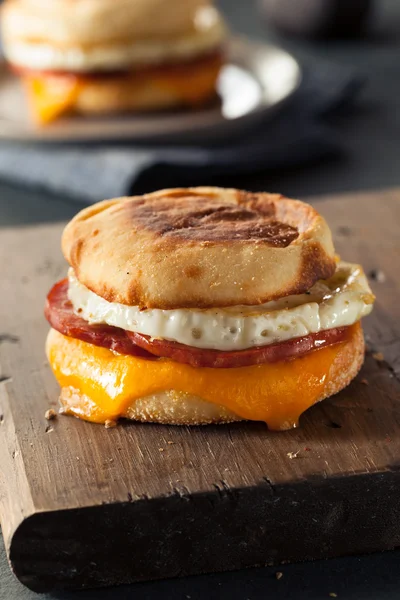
89 22
199 247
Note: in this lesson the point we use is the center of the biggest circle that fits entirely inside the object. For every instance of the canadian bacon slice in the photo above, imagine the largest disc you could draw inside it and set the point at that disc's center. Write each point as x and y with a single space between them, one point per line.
60 314
197 357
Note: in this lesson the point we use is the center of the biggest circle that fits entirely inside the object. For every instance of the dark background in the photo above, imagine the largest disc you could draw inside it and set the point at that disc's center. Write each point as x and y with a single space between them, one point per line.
370 138
370 135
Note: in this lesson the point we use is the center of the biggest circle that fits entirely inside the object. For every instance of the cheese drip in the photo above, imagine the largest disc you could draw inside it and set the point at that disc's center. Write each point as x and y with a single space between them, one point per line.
276 393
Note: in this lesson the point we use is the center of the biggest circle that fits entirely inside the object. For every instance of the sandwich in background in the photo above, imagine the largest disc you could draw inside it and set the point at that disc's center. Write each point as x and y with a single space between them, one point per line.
107 56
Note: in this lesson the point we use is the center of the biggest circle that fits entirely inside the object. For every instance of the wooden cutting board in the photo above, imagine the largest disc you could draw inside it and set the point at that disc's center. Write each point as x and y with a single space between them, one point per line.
84 506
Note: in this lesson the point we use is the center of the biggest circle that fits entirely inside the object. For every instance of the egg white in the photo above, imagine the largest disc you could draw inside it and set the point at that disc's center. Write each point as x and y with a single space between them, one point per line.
337 302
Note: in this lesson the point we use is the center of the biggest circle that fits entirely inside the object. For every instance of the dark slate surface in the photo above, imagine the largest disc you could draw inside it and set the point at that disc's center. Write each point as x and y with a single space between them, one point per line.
371 138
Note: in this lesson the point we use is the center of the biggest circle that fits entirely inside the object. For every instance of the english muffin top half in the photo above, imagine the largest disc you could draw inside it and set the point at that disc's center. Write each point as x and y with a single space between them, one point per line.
199 247
87 22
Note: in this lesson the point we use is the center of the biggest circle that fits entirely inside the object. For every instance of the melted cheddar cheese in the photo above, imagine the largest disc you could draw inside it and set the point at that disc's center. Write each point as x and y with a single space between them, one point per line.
276 393
51 96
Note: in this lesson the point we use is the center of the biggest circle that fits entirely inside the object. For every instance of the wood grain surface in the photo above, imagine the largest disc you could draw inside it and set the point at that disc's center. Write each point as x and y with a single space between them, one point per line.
84 506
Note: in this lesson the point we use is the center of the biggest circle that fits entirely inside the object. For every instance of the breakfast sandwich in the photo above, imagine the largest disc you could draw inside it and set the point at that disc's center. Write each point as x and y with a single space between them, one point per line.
203 305
102 56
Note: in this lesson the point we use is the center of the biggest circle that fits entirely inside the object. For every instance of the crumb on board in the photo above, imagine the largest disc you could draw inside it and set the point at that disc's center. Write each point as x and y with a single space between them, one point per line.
49 429
378 356
50 414
344 230
109 424
332 595
270 563
170 442
1 419
279 575
307 449
377 275
292 455
161 449
365 381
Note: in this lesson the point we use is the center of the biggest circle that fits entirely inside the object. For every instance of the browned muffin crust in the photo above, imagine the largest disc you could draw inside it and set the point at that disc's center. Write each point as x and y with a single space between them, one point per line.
205 220
199 247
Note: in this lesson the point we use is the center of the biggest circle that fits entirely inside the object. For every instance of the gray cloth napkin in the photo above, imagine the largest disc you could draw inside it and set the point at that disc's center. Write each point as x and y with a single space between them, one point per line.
298 134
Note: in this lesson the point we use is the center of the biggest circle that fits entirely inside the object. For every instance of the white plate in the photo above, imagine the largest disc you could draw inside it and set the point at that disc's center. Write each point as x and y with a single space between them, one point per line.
257 78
